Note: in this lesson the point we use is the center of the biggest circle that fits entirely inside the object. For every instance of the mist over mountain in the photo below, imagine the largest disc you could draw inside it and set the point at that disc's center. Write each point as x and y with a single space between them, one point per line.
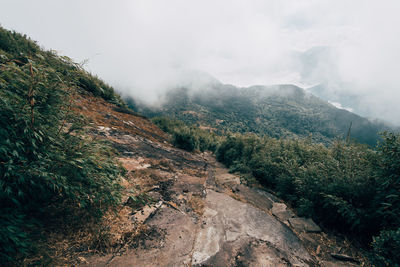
139 47
373 96
278 110
350 101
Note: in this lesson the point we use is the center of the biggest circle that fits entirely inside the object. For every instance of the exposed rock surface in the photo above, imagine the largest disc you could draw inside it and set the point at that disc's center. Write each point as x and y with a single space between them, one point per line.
303 224
200 214
281 212
229 226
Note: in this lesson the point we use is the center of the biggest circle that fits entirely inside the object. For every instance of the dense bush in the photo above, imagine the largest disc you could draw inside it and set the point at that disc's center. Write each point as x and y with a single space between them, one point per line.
387 247
188 138
13 42
97 87
19 49
184 138
388 186
50 171
348 187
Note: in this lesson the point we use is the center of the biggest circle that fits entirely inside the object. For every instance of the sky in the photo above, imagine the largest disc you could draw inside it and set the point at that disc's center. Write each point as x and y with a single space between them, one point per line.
144 47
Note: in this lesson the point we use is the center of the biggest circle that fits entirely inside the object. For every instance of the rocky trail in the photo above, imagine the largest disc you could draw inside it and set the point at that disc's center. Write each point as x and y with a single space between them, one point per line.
202 216
186 209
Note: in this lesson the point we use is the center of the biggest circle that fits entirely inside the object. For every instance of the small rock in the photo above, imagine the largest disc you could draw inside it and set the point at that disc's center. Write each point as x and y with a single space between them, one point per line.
3 58
305 236
154 195
235 189
124 183
344 257
318 250
303 224
231 236
82 260
281 212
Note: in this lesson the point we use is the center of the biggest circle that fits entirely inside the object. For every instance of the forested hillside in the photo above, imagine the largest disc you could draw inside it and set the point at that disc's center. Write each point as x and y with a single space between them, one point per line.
275 111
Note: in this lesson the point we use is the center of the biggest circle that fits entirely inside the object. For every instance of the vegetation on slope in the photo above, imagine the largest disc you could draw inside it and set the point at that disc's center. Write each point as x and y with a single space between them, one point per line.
18 49
347 186
188 137
275 111
51 172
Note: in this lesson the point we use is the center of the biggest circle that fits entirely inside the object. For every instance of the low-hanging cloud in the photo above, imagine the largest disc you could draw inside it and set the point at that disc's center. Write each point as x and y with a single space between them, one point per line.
143 47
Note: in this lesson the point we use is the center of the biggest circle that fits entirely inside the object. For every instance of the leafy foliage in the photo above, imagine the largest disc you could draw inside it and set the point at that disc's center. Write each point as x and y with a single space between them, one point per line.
16 43
19 49
388 197
387 247
348 187
49 169
188 138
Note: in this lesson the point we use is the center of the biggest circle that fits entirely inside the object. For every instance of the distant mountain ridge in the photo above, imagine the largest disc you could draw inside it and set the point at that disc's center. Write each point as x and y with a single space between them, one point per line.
279 111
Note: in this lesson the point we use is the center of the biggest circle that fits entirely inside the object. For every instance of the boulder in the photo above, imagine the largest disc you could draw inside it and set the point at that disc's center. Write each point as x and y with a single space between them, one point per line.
280 211
304 225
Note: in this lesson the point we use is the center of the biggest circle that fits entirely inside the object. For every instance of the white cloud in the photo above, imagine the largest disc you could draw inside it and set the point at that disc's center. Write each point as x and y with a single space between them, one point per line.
338 105
142 46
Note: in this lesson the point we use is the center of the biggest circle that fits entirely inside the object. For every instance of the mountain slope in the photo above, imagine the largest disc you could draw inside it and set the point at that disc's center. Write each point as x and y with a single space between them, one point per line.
277 111
54 177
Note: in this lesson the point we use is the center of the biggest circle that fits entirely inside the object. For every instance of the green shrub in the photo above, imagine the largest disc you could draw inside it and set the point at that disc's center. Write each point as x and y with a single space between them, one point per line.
167 125
387 248
13 239
348 187
46 167
387 199
14 42
17 48
183 138
97 87
188 138
90 85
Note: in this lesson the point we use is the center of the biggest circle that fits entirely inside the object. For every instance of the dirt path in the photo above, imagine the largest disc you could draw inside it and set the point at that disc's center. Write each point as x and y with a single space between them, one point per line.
202 216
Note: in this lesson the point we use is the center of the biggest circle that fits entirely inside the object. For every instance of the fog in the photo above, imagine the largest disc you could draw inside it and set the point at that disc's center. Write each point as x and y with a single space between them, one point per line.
144 47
